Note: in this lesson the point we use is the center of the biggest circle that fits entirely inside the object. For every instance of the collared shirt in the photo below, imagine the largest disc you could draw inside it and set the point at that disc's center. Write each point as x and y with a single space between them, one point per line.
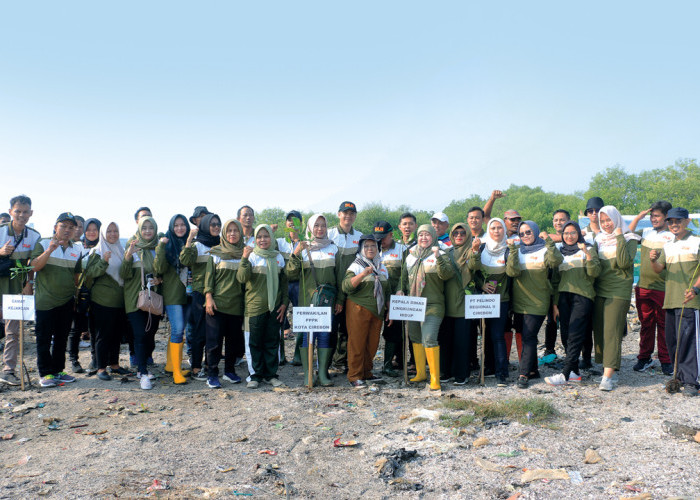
55 283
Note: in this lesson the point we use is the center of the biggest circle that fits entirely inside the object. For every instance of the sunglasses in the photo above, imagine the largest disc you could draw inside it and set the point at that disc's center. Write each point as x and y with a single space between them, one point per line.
525 233
215 224
592 211
460 233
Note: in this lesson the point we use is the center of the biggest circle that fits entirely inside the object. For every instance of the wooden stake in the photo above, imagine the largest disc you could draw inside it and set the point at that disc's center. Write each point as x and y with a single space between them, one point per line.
481 355
406 351
310 382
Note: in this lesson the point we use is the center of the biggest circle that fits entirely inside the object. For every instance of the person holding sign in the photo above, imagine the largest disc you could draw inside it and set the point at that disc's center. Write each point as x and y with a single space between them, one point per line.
617 248
366 286
573 298
266 297
56 263
490 261
425 271
529 265
315 263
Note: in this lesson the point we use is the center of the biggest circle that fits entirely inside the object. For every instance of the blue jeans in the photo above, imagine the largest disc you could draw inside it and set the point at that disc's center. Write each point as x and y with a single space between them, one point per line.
496 327
177 314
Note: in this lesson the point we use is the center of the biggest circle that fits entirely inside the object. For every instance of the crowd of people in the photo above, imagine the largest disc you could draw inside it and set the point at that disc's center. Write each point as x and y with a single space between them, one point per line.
227 289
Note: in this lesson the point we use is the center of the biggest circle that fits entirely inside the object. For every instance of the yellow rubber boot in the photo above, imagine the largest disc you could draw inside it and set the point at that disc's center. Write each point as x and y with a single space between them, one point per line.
175 357
168 359
419 354
433 355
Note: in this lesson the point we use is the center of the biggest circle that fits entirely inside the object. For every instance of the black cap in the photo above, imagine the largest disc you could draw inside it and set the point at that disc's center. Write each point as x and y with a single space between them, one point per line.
677 213
382 228
293 213
347 205
66 217
199 212
596 202
363 238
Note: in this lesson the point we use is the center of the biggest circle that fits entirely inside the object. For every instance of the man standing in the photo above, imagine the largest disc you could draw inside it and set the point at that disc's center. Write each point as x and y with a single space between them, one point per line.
286 247
346 239
199 212
649 292
407 226
593 206
559 218
441 223
17 242
246 216
512 220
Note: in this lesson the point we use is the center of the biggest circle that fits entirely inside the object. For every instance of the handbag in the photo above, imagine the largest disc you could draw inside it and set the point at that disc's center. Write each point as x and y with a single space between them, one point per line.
324 294
148 300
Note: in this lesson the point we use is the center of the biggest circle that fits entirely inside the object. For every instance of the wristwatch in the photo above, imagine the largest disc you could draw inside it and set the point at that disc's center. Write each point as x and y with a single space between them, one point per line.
695 290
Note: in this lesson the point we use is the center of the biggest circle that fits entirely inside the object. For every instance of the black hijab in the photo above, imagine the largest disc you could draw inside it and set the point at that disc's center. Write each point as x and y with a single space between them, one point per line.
571 249
91 243
203 235
175 243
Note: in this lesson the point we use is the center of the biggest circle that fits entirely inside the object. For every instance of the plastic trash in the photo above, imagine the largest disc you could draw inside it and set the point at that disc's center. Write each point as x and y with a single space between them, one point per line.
343 444
545 360
576 477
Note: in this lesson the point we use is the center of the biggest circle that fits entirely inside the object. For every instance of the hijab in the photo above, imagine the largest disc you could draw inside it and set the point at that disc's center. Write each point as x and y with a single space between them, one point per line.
461 252
226 250
567 250
91 243
144 244
493 247
610 239
204 235
272 270
316 243
375 264
175 243
115 261
536 245
416 276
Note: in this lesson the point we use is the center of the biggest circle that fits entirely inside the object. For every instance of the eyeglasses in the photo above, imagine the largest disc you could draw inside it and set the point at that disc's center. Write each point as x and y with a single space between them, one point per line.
515 219
525 233
592 211
570 234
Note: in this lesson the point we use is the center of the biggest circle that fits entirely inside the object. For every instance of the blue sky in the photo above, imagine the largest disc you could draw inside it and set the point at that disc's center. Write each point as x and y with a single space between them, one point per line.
106 107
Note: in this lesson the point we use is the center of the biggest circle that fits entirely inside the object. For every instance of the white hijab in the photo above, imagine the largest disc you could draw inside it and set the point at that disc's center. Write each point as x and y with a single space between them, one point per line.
493 247
610 239
115 261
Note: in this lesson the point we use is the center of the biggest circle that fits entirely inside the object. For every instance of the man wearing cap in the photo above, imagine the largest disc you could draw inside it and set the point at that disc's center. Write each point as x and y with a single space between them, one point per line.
593 206
681 259
441 222
56 263
17 242
649 292
286 247
392 254
199 212
346 238
512 220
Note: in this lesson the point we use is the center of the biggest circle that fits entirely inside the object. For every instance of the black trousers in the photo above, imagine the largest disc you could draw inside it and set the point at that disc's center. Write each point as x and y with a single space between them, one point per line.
199 329
394 334
531 326
460 354
80 324
686 343
550 330
575 312
339 341
52 324
110 324
144 336
446 341
220 328
264 344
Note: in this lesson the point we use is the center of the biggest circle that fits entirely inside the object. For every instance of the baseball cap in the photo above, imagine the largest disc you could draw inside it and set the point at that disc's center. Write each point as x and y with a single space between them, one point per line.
199 212
66 217
595 203
347 205
293 213
677 213
382 228
440 216
512 214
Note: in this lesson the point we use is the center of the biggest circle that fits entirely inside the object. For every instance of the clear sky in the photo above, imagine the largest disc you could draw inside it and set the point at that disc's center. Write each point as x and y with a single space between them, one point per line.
106 106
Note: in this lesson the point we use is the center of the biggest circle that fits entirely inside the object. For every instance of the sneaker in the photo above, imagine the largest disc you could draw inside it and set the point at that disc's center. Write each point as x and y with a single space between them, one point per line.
489 373
150 375
213 383
103 376
120 371
63 377
606 384
522 382
445 379
667 368
9 378
690 390
240 361
146 382
275 382
358 383
253 384
502 382
200 375
48 381
232 377
585 364
558 379
374 378
460 382
643 365
548 352
574 377
92 369
76 368
84 344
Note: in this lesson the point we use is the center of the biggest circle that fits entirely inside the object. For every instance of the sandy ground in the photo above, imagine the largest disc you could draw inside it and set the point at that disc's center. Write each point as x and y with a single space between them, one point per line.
111 439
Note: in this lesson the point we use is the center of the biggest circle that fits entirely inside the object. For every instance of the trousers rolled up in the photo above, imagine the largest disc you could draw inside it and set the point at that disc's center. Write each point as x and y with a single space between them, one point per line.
609 323
574 313
364 329
686 342
52 325
264 344
222 328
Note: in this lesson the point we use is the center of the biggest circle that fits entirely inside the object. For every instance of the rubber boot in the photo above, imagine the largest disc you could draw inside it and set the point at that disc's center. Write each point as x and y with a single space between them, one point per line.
419 354
324 361
388 369
297 346
304 361
175 358
433 355
168 359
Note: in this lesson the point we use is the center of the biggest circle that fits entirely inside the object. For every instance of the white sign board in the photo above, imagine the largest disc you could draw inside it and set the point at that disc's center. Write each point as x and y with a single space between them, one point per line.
482 306
18 307
312 319
405 308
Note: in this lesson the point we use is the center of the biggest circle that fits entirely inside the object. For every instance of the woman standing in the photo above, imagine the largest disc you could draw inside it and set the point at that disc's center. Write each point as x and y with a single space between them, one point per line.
107 301
426 269
367 290
490 260
224 304
138 265
262 272
195 255
314 263
573 298
174 274
529 265
617 248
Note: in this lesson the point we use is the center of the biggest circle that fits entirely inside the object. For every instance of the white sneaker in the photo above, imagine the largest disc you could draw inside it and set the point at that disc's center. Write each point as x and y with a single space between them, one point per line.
146 383
558 379
606 384
275 382
150 376
253 384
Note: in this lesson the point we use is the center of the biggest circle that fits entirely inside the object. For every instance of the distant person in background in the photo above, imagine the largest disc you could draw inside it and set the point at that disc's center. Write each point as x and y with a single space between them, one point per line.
407 226
593 206
142 212
286 247
197 214
441 223
246 216
512 220
649 292
5 218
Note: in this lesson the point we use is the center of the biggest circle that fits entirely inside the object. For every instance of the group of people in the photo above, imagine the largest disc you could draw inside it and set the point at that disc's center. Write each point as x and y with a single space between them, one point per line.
227 288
